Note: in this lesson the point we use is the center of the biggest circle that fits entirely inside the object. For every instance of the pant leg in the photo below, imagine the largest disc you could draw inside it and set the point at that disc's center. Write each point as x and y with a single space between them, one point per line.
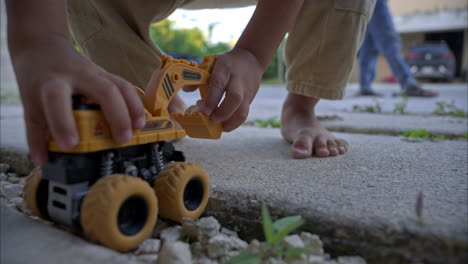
387 40
322 46
115 34
368 55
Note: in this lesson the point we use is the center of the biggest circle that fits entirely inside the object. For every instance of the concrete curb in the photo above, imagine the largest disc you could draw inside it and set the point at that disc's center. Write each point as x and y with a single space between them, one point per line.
379 243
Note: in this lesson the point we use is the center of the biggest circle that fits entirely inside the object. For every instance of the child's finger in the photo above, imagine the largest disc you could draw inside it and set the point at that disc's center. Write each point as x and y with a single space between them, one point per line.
133 101
218 82
37 140
190 88
113 105
57 105
238 118
232 101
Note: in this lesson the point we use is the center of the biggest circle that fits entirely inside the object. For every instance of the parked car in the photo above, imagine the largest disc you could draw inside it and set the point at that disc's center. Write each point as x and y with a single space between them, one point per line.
433 61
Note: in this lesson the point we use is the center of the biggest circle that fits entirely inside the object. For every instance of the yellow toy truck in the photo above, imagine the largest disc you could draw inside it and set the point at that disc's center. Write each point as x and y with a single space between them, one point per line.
114 192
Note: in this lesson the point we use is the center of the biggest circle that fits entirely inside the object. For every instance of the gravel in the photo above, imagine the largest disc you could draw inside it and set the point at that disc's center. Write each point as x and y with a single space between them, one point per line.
208 241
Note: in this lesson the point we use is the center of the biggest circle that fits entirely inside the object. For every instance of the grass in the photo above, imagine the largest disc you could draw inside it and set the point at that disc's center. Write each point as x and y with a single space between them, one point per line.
400 107
421 134
274 233
273 122
448 109
375 108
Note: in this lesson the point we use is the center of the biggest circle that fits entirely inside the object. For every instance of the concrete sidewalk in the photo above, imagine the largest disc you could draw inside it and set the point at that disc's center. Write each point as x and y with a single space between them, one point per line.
359 203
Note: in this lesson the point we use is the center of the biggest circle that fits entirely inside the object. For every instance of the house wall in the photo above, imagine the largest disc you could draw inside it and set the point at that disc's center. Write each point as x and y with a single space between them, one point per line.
405 7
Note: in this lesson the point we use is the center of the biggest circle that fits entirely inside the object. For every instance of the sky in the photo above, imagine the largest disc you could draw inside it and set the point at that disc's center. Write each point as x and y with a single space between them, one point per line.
229 22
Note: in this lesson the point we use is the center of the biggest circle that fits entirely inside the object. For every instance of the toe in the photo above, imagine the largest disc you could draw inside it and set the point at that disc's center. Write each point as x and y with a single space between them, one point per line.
302 147
342 146
332 147
320 147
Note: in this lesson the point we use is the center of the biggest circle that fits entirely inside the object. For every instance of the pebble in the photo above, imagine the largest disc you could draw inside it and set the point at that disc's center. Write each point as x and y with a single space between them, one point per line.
149 246
23 207
208 227
4 167
221 246
10 190
147 259
13 179
172 233
175 252
293 241
3 177
351 260
202 229
313 242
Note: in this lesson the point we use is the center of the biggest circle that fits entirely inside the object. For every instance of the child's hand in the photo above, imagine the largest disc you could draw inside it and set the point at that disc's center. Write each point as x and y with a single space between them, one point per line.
237 75
48 74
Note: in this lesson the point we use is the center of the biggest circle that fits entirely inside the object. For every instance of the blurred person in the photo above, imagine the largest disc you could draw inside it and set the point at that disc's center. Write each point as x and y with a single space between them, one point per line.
381 37
322 45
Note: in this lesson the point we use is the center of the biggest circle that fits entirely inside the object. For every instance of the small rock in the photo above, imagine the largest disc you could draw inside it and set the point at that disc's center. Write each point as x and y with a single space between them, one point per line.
10 190
13 179
351 260
175 253
172 233
189 227
228 232
3 177
203 229
208 227
254 246
23 207
149 246
160 226
204 260
315 260
293 241
312 242
273 261
224 246
147 259
4 167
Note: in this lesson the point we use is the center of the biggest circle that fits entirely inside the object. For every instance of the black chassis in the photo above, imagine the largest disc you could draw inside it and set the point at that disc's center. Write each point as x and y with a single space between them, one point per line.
67 178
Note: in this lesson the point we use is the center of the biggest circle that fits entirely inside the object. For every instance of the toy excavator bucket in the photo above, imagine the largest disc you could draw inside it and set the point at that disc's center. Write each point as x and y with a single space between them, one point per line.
197 125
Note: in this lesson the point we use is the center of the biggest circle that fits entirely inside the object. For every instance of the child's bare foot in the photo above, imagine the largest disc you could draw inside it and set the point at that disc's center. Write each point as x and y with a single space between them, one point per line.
301 128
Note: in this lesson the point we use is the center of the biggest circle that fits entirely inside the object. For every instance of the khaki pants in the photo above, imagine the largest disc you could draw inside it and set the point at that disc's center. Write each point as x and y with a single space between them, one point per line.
320 50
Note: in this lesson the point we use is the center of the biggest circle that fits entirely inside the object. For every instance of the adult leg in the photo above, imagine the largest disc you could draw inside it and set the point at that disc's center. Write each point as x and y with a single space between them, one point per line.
115 35
387 40
367 55
320 52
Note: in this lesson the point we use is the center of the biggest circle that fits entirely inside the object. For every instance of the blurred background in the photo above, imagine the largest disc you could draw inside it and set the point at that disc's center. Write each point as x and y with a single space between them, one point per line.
434 39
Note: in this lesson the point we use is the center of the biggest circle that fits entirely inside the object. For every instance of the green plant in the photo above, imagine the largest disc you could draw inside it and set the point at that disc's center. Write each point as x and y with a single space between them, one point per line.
400 107
422 134
274 233
443 108
271 122
375 108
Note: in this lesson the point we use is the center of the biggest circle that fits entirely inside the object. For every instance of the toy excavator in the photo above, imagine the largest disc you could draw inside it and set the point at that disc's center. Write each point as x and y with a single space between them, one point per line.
112 192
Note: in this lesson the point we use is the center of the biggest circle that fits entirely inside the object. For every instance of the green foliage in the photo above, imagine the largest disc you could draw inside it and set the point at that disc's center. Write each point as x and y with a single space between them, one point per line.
375 108
466 135
443 108
422 134
192 42
274 233
400 107
271 122
246 258
180 41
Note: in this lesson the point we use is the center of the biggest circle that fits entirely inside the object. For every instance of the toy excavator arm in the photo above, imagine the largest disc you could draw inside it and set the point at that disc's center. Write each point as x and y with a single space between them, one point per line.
173 75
